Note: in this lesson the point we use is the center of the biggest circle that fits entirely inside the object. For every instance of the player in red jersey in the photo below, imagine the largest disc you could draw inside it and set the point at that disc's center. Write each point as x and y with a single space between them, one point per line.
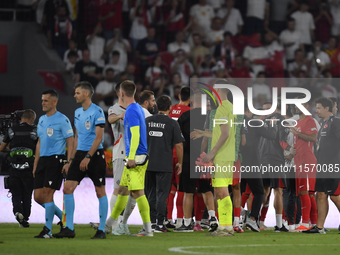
305 135
185 98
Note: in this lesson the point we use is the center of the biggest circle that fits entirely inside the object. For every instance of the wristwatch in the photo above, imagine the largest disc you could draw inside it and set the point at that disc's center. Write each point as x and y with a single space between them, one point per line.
88 156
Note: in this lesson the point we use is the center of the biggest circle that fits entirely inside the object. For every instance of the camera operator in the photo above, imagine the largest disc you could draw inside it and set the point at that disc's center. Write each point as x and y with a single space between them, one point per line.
22 140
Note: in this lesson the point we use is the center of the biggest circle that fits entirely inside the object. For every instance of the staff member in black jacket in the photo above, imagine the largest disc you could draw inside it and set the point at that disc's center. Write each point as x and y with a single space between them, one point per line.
162 134
22 139
251 160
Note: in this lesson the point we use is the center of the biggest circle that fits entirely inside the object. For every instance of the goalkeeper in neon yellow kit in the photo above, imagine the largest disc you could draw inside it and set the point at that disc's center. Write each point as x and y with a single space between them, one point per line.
133 177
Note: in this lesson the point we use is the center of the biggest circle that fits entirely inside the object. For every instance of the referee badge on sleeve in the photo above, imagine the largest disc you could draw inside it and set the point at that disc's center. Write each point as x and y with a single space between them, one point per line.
88 125
49 132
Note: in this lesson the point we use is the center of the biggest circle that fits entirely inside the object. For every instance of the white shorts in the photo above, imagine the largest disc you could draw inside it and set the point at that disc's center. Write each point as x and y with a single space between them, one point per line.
118 168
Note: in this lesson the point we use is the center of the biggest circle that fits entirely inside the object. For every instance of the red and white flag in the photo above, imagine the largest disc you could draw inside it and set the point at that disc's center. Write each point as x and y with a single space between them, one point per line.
53 79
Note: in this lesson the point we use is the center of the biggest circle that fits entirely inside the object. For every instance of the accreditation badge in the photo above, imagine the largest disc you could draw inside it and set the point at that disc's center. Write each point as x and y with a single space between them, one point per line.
88 125
50 131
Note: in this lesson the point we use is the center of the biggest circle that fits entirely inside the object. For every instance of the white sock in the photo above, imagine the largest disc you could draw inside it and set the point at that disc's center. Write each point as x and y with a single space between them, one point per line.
291 227
236 221
187 222
113 201
305 225
279 220
211 213
198 222
147 227
128 209
111 222
261 222
179 222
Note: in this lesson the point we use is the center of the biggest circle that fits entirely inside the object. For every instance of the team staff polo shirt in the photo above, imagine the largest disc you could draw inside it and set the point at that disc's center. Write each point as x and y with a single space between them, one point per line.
53 132
134 116
328 143
227 151
162 133
85 123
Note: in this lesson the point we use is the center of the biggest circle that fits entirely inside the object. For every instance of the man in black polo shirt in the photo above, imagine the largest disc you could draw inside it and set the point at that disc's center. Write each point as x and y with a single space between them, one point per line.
188 180
328 157
162 134
251 159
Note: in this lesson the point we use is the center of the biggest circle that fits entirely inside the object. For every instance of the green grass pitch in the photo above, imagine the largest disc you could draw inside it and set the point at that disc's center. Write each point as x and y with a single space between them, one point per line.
20 241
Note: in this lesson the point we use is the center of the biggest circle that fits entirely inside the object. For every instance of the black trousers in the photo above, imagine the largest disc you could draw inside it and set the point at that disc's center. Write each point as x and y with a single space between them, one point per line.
293 202
21 186
256 187
157 188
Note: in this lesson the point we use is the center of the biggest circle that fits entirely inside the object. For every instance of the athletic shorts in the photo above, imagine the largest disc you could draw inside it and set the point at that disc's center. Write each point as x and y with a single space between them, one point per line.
48 173
175 176
222 177
118 168
237 173
189 185
96 170
328 186
134 178
304 181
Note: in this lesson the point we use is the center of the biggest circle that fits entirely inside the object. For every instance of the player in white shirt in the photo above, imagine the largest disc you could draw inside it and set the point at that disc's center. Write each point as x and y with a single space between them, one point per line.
203 14
105 90
231 18
304 23
291 40
257 14
179 44
318 59
295 67
215 35
95 44
116 116
119 44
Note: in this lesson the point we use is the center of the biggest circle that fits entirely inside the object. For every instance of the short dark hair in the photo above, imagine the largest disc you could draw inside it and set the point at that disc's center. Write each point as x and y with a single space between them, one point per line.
52 93
163 103
260 73
109 70
29 114
196 34
290 19
72 53
145 96
186 93
304 2
117 88
115 53
297 50
325 102
85 85
227 33
334 100
128 87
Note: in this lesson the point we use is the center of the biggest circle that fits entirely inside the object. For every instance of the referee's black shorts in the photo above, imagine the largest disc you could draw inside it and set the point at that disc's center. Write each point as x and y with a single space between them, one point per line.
189 185
49 172
96 168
